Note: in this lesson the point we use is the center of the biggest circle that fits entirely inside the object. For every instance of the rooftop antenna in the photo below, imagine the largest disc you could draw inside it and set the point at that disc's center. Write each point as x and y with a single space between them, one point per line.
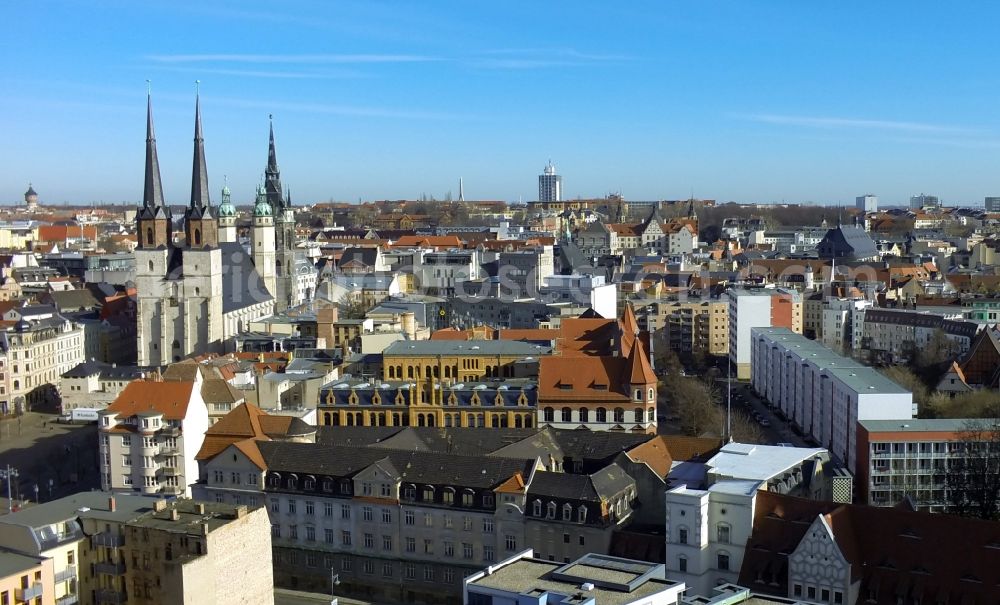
149 87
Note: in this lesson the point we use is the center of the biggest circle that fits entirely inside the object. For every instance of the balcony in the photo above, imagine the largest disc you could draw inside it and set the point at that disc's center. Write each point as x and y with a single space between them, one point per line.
173 490
170 431
70 599
69 573
167 471
110 595
108 539
28 594
109 568
168 450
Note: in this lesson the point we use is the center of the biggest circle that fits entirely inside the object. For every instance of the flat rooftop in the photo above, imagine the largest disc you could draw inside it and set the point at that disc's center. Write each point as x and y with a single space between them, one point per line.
12 563
536 576
88 505
758 462
917 425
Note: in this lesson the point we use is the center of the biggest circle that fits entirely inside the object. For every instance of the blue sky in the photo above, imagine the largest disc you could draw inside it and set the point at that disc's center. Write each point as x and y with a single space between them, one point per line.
746 101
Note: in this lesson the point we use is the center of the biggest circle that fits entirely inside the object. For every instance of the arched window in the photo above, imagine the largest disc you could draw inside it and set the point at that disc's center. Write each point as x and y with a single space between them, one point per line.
638 414
584 415
149 235
151 266
197 237
392 371
652 394
602 415
567 512
619 415
409 371
638 394
651 414
550 510
581 514
536 508
176 345
567 415
548 415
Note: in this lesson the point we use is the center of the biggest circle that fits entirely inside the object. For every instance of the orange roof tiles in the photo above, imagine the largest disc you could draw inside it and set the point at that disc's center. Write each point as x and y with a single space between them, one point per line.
655 454
428 241
514 485
168 398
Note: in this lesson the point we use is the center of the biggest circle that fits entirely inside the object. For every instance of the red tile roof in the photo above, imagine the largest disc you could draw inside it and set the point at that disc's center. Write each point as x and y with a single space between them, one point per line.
168 398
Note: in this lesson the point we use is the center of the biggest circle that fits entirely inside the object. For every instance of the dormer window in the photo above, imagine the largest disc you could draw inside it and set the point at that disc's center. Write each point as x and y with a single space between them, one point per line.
536 508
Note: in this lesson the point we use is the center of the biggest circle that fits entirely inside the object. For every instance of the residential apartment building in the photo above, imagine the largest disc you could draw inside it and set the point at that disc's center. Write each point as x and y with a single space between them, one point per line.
822 393
36 348
909 459
96 385
753 308
149 437
841 322
689 327
591 291
25 579
190 553
54 534
408 526
522 273
897 335
443 273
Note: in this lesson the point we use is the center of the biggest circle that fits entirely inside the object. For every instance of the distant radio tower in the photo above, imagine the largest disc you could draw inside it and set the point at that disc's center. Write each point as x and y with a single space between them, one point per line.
461 190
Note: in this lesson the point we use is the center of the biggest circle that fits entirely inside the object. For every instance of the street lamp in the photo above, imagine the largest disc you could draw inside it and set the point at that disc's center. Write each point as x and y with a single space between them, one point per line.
36 493
9 474
334 582
51 484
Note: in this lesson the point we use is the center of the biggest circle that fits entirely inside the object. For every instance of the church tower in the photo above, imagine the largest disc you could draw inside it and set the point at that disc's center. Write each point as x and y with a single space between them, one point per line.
154 290
262 240
200 319
227 218
284 231
200 227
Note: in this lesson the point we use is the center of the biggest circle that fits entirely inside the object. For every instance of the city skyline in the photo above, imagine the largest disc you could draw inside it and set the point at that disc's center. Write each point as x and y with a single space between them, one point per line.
378 101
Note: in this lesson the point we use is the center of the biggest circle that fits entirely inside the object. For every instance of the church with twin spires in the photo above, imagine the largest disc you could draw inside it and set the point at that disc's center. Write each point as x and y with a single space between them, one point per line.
193 296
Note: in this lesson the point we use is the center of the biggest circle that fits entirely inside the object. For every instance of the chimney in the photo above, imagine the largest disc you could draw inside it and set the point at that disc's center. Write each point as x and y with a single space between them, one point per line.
159 506
204 529
112 505
199 508
174 515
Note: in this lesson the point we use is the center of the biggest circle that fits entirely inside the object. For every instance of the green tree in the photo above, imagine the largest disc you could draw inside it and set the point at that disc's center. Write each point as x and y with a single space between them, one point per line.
972 477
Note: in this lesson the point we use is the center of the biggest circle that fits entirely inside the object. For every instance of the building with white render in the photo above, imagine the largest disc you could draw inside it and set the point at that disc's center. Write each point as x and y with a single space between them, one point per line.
821 392
759 307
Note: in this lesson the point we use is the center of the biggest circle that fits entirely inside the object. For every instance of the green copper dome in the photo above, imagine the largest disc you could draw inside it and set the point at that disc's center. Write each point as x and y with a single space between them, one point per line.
226 208
262 208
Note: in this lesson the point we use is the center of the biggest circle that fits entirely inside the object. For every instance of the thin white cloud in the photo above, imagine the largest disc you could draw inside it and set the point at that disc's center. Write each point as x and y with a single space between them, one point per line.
342 110
833 123
540 58
248 73
339 59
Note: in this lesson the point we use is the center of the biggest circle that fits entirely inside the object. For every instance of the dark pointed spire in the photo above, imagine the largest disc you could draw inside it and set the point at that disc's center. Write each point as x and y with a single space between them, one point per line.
272 176
199 172
152 192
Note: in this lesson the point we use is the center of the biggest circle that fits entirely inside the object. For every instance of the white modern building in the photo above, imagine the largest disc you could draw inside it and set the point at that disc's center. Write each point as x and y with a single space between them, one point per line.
867 203
586 290
761 307
842 325
822 393
549 185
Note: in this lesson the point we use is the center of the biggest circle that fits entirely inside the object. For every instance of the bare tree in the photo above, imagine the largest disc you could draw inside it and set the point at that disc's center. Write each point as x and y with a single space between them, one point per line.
972 477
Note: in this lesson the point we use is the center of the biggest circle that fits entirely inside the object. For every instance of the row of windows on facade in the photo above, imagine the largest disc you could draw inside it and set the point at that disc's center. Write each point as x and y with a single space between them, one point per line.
721 562
385 514
600 415
167 443
368 567
346 487
409 543
451 399
450 371
499 420
722 533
